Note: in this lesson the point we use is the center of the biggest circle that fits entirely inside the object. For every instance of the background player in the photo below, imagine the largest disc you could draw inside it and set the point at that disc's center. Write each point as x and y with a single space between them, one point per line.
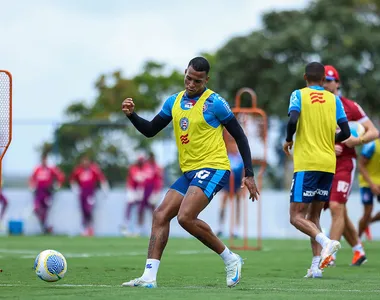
135 192
198 116
237 170
152 187
4 205
316 112
44 181
345 169
84 181
369 182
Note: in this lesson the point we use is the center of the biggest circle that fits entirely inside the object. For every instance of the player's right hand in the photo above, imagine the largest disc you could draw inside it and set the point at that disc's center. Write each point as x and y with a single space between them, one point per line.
287 147
250 183
128 106
338 150
375 189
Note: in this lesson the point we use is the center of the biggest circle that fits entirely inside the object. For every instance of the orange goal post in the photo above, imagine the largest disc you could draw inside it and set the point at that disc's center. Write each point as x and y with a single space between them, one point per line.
5 115
255 124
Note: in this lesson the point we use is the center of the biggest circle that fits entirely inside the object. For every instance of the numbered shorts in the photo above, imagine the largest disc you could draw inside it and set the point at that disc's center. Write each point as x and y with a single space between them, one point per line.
311 185
367 196
210 181
343 180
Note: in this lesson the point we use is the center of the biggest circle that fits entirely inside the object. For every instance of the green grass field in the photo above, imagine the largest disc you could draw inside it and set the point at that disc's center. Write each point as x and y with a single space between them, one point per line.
97 267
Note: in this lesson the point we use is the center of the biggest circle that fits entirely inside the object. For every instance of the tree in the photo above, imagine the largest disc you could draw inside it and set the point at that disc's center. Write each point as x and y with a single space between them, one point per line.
100 130
272 60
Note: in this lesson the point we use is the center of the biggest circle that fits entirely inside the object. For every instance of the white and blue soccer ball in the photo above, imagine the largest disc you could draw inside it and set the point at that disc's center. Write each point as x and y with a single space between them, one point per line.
50 265
357 129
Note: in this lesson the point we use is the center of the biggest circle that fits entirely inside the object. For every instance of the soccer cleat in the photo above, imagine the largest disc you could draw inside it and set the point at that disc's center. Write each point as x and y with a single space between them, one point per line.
332 262
328 252
139 282
368 233
233 270
313 273
358 259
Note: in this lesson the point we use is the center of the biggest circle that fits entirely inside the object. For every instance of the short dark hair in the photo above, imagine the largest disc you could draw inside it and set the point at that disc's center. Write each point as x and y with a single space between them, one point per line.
200 64
314 72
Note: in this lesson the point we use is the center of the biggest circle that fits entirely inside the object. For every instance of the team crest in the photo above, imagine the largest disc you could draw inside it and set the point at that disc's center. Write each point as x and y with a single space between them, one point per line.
184 124
205 106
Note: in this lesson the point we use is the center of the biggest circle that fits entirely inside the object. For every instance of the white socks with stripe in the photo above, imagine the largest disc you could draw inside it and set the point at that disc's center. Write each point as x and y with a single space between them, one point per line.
151 269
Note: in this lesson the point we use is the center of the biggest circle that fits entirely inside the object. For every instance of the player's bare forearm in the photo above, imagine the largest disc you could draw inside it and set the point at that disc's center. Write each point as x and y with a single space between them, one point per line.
371 132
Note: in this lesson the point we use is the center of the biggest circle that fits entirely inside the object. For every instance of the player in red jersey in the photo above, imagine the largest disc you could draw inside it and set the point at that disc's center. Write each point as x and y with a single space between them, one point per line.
44 181
4 205
84 181
345 170
152 188
154 182
135 191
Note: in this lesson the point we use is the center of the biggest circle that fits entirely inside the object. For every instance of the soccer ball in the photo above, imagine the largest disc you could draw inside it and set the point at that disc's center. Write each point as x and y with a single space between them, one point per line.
50 265
357 129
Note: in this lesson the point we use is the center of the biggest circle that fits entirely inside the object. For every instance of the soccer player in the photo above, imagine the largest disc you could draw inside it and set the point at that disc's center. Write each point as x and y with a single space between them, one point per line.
44 181
237 169
369 182
314 114
153 184
198 115
84 181
345 170
146 181
135 191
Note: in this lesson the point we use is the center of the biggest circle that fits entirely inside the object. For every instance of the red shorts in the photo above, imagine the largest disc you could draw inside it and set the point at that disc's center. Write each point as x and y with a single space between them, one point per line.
343 179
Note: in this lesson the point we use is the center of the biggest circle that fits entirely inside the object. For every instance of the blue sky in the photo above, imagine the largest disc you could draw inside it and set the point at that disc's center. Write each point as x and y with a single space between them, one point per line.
56 49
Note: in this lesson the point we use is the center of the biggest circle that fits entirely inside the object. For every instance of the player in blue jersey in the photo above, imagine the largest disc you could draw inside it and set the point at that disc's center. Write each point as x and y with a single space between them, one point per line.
369 182
314 115
199 116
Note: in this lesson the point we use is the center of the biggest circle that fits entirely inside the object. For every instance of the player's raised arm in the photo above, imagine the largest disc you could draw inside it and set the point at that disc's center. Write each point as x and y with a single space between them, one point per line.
147 128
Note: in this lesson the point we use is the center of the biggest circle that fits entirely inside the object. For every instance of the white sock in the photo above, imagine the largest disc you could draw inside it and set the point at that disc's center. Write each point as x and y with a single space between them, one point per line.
359 248
227 255
322 239
151 269
315 262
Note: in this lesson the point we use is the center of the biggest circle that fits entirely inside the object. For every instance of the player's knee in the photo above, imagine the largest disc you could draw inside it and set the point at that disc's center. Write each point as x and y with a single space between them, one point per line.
337 209
159 217
294 219
184 220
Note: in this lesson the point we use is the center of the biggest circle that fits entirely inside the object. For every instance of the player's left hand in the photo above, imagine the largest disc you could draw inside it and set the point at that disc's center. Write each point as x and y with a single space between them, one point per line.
352 141
250 183
287 147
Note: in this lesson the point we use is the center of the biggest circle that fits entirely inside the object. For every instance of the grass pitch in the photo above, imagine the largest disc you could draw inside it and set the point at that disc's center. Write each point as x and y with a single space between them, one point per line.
97 267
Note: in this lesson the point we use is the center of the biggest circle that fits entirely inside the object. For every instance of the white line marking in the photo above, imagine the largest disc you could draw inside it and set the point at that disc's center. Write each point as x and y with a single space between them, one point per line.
205 287
29 254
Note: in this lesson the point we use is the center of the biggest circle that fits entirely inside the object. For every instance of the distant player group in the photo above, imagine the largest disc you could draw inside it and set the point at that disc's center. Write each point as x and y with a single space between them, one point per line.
144 182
